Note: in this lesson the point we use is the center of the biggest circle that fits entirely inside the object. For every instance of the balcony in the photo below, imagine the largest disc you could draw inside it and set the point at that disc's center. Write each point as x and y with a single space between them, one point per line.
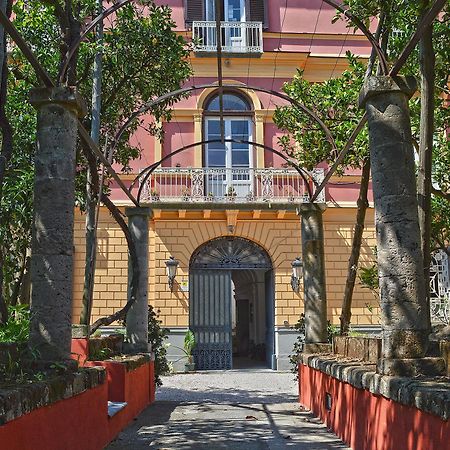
237 38
225 186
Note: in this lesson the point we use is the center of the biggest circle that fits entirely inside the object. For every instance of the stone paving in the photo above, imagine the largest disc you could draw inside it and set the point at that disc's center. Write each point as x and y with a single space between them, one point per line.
245 409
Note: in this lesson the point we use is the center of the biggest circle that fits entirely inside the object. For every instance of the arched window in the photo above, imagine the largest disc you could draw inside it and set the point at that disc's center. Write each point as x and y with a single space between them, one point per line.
235 157
231 103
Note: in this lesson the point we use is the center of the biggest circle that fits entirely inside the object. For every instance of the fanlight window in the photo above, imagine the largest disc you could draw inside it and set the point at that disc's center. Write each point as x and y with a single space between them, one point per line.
230 253
231 103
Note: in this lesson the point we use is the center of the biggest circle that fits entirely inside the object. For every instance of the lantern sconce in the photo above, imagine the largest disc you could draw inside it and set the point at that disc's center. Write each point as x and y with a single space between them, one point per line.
171 270
297 272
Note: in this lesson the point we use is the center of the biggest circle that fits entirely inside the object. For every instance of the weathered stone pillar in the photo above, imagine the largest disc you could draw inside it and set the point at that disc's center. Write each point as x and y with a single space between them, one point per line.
314 284
405 327
137 317
52 235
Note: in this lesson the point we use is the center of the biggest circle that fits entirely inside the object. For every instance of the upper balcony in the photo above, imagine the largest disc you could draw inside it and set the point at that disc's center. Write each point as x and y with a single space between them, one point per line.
225 186
237 38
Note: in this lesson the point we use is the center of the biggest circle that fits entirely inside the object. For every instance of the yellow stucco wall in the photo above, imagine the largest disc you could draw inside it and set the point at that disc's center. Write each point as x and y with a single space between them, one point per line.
178 234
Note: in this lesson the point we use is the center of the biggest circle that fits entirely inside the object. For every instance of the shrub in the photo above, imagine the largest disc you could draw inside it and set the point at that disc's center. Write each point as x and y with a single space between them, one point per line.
157 337
17 329
332 330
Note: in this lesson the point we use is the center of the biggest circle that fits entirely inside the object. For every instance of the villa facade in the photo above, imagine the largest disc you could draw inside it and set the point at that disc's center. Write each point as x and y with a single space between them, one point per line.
228 211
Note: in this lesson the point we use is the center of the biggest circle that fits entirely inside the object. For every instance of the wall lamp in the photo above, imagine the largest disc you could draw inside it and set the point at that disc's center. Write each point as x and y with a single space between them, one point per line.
171 270
297 272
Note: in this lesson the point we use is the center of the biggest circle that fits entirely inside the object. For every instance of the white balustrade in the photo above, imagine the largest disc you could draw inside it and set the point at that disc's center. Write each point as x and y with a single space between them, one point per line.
236 37
222 185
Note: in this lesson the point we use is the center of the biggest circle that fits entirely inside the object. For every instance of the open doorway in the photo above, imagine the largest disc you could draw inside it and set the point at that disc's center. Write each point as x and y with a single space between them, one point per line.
231 305
249 319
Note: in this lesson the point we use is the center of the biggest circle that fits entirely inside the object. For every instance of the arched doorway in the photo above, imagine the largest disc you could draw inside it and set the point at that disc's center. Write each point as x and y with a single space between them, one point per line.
231 304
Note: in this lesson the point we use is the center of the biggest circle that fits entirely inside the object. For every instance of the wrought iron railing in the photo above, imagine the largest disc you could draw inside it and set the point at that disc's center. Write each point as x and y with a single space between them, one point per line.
236 37
222 185
440 287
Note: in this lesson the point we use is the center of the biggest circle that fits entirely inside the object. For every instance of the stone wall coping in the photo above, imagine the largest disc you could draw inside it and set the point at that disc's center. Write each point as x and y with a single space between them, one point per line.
15 401
431 395
131 362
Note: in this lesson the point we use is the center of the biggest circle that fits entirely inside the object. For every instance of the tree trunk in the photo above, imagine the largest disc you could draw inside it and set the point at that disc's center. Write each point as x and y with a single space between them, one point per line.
363 204
93 186
427 104
90 246
25 287
134 282
7 141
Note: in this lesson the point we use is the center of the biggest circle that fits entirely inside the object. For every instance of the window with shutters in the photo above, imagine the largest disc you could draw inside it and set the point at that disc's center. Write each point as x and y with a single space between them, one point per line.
242 22
233 10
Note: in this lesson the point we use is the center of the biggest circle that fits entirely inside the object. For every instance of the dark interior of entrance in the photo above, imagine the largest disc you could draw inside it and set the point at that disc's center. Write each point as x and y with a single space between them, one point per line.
249 319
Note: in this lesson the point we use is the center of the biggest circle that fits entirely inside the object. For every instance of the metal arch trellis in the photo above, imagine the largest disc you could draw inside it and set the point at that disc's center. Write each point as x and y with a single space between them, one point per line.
146 173
179 92
432 13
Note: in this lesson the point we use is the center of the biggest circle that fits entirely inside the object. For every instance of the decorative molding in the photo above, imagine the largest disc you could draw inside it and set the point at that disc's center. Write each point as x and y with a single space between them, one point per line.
230 253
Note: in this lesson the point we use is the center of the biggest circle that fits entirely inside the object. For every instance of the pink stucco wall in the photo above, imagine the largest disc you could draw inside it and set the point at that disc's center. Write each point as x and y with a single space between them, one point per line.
178 134
297 17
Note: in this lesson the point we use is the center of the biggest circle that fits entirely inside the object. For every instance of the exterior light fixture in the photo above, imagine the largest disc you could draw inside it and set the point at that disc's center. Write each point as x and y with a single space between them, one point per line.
171 270
297 272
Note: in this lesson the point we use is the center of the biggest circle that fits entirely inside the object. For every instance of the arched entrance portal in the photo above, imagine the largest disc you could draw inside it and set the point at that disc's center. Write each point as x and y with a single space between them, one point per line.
231 304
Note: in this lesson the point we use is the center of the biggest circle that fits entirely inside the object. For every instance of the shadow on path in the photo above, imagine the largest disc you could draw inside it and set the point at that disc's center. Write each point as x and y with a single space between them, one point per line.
205 412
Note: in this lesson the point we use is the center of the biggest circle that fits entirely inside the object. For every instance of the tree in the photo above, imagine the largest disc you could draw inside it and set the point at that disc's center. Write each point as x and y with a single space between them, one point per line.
397 21
6 141
140 48
334 102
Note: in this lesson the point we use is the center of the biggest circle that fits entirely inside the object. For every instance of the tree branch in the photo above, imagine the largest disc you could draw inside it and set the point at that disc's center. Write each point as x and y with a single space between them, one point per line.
439 193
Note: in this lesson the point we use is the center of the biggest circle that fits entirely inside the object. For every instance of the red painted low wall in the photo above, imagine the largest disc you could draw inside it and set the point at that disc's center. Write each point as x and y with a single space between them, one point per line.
82 422
368 422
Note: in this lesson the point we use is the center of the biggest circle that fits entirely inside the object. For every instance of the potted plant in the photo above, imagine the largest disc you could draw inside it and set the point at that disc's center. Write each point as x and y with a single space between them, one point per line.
210 197
189 345
250 197
230 194
186 194
154 194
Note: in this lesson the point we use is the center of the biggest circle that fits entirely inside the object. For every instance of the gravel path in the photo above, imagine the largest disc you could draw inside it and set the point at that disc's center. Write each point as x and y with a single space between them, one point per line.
231 386
247 409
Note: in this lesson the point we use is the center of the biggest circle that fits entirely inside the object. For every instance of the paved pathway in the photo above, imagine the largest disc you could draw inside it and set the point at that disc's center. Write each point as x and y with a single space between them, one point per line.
246 409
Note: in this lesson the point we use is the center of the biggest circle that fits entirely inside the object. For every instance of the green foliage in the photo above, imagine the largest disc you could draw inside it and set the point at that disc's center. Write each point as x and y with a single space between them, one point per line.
332 330
189 344
100 354
157 337
401 19
369 277
334 101
17 328
143 58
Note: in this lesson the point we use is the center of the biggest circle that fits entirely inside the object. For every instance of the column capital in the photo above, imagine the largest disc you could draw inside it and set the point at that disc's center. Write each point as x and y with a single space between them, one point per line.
138 211
67 97
384 84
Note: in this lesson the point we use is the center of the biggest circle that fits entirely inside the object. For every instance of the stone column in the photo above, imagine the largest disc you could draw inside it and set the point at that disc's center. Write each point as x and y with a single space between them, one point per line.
404 317
52 234
314 285
137 317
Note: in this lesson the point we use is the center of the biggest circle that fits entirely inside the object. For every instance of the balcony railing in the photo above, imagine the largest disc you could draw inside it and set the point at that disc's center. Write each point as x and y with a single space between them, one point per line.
236 37
221 185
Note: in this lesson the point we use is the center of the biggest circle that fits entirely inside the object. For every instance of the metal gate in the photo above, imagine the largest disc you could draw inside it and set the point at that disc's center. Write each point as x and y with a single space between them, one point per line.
210 318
